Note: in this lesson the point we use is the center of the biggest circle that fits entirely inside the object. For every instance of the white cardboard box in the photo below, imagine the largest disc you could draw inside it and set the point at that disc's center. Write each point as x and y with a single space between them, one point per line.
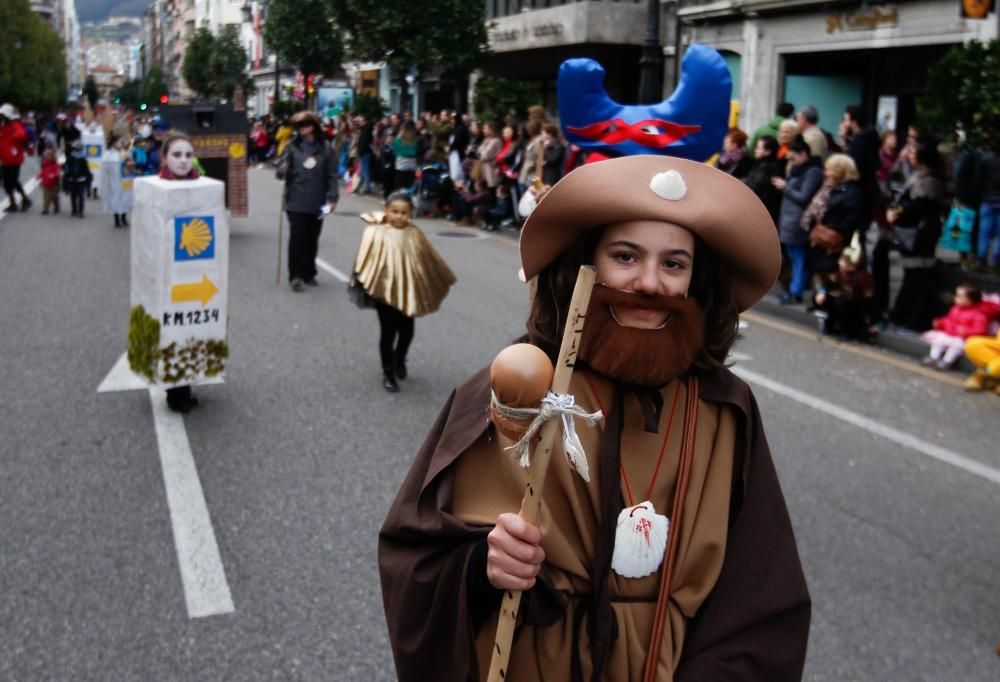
180 273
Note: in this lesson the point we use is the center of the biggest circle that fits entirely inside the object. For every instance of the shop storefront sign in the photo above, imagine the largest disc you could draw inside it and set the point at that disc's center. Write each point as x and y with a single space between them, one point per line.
550 29
863 20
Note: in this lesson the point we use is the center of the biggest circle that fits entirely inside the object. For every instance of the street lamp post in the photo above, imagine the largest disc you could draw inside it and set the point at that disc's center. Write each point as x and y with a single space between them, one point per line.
651 63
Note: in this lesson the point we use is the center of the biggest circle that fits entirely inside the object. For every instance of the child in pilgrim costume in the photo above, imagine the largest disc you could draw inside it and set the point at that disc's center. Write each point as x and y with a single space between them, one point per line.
117 174
680 249
402 276
179 164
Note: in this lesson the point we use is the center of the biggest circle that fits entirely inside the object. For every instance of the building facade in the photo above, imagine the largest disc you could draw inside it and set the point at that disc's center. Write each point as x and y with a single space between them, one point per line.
830 54
61 16
529 39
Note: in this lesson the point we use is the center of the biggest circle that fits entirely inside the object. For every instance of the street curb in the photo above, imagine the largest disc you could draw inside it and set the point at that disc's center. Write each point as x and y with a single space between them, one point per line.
911 346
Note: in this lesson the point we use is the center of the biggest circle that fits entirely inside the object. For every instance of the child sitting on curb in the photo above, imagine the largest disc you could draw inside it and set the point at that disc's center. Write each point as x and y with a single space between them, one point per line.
984 353
969 316
845 298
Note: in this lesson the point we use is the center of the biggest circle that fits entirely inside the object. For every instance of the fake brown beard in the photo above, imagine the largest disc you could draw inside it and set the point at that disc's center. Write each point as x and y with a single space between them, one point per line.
640 357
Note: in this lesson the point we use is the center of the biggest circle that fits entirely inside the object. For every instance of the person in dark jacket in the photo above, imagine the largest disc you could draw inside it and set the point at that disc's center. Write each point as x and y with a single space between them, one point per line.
844 211
76 177
863 144
989 210
766 166
365 155
916 221
804 180
735 158
553 154
311 193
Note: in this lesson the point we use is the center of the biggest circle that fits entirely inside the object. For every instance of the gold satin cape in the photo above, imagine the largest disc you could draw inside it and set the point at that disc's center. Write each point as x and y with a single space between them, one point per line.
570 518
400 267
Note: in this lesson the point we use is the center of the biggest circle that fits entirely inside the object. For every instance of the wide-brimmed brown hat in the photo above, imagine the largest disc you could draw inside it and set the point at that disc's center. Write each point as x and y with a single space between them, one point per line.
300 117
717 207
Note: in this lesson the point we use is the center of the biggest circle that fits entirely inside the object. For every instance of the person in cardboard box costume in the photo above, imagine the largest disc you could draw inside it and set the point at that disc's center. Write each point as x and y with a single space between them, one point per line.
680 249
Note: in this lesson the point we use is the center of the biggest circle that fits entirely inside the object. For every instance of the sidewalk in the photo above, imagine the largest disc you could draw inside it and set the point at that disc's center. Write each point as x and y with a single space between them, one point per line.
911 346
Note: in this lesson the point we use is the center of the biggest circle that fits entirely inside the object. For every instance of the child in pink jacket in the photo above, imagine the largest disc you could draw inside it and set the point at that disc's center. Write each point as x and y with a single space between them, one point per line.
969 316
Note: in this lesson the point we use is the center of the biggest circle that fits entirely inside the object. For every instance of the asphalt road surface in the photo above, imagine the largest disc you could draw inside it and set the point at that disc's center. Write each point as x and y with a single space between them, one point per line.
891 472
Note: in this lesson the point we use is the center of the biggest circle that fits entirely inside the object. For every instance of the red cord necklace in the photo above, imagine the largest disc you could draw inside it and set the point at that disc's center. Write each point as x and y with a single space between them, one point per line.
641 534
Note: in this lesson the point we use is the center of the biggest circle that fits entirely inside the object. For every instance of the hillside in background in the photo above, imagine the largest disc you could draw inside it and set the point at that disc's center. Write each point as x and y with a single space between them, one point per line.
99 10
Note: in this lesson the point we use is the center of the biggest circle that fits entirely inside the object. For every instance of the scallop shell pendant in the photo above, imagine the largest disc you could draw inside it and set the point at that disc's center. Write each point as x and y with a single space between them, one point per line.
640 540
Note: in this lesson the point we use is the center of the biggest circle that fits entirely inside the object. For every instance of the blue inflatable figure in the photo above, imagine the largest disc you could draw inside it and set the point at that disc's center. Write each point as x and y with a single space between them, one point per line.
690 124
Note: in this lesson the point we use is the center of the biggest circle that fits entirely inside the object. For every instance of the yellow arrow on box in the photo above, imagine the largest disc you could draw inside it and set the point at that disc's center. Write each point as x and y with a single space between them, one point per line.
199 291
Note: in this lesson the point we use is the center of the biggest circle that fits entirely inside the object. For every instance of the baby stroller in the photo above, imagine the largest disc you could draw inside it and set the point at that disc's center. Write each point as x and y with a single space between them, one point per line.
432 189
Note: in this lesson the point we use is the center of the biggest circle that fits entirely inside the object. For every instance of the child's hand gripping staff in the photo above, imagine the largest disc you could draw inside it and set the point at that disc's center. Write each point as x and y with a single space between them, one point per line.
514 554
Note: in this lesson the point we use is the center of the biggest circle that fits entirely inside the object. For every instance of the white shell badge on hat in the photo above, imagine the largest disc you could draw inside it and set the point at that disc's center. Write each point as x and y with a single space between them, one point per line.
669 185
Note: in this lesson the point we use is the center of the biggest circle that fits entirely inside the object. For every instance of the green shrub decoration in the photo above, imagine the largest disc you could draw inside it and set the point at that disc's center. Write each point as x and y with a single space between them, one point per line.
143 342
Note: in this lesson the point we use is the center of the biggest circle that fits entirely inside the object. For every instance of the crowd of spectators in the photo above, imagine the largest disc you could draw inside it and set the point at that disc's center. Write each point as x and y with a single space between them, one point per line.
844 202
485 173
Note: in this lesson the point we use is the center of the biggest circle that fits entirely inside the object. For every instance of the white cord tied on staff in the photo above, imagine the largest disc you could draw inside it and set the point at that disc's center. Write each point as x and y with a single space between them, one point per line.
553 405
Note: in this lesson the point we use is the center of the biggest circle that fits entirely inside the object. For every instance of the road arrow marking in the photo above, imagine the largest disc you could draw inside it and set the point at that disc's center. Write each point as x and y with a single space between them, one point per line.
202 291
122 378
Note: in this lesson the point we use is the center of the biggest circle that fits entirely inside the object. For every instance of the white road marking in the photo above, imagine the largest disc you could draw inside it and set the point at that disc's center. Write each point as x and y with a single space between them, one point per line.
945 455
206 591
332 270
203 577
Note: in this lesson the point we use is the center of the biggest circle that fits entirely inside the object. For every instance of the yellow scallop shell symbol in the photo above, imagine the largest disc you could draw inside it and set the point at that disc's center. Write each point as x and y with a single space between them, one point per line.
92 151
196 237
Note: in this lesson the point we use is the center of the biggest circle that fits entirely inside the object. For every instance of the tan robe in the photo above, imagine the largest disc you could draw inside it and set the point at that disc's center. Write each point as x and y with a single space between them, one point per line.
569 522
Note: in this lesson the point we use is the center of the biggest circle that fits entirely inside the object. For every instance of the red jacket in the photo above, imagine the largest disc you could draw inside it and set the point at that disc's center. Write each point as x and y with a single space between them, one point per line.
972 320
50 174
13 142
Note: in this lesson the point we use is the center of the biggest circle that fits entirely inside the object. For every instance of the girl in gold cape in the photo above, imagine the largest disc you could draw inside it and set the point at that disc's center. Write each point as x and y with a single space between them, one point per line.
403 276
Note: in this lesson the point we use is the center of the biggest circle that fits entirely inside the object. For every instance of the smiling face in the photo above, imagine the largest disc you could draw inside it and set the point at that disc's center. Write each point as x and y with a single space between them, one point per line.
180 158
397 214
645 258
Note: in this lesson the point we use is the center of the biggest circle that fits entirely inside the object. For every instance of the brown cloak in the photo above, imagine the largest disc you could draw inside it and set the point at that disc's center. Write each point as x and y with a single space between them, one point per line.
753 625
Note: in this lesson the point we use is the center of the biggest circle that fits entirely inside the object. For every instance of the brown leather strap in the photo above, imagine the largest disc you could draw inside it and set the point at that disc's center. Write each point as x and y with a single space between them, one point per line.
676 518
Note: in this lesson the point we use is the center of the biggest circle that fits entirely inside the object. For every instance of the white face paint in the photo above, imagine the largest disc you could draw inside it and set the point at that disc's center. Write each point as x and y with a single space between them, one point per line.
180 159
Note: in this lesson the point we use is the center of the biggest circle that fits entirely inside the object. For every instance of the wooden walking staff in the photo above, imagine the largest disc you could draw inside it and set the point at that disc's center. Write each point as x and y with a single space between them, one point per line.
532 503
281 229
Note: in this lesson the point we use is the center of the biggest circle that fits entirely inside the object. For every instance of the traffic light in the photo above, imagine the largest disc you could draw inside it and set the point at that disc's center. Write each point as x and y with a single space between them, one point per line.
117 100
164 99
142 107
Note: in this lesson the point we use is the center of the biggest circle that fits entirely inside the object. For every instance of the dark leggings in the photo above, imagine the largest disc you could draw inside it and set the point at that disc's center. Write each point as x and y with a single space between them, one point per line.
12 183
393 323
77 194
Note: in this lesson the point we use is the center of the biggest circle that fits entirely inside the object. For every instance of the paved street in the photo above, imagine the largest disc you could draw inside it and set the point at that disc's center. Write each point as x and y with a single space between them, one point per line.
891 471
